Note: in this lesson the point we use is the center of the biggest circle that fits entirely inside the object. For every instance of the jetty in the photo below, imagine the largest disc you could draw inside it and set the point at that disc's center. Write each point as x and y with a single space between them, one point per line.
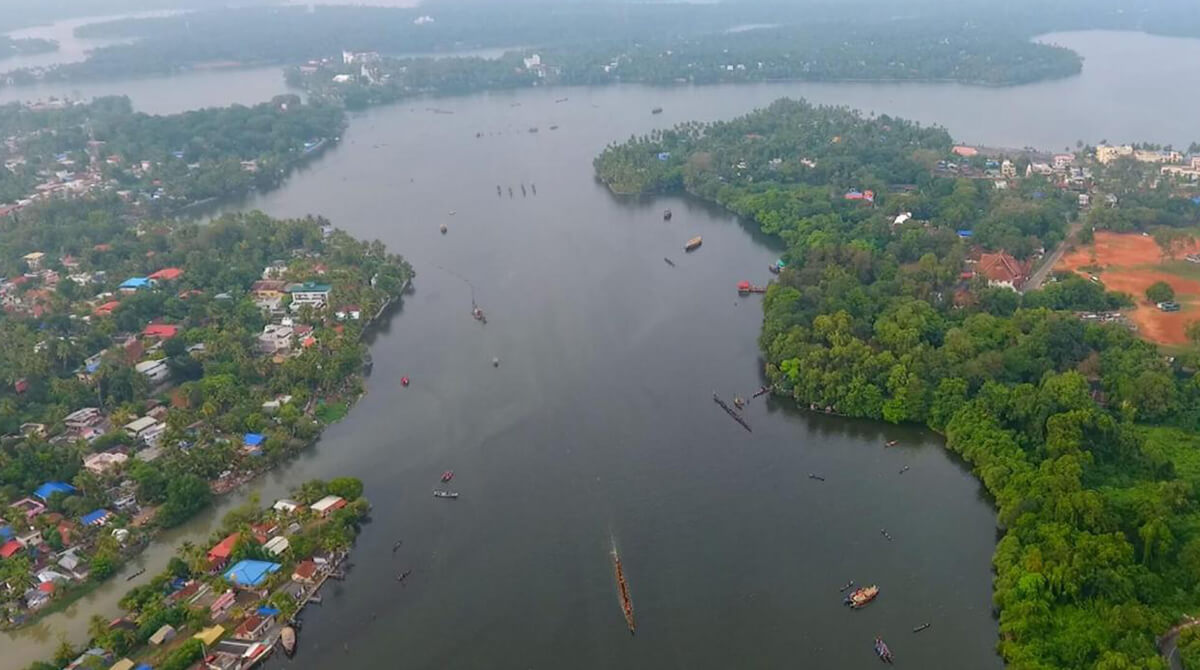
731 412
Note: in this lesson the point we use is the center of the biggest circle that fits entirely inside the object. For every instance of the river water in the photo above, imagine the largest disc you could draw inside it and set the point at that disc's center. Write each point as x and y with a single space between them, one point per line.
598 426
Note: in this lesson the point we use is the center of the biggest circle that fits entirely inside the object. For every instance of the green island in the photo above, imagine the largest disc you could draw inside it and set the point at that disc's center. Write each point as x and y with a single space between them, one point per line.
231 600
895 300
10 46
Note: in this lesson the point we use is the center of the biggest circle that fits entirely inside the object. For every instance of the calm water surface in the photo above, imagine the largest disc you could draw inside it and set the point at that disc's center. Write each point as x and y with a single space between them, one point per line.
598 425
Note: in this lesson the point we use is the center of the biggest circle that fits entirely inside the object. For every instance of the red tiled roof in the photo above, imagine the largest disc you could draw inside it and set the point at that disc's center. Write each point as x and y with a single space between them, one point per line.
166 274
46 587
247 627
224 548
9 549
108 307
307 569
163 330
1001 267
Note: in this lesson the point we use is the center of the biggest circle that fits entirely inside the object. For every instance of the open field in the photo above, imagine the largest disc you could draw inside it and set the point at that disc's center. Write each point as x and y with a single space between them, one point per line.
1132 262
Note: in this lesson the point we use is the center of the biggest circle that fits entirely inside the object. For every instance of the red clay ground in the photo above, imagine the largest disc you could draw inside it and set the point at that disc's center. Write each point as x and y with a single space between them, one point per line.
1131 263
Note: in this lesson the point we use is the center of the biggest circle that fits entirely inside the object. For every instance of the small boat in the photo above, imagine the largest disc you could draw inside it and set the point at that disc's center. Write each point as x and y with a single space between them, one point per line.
404 381
561 100
762 391
438 493
859 598
882 651
904 469
453 212
444 228
847 586
447 475
922 627
135 575
816 477
495 362
623 590
739 402
669 261
555 127
533 129
477 314
693 244
656 110
883 532
397 545
287 640
890 443
667 215
403 576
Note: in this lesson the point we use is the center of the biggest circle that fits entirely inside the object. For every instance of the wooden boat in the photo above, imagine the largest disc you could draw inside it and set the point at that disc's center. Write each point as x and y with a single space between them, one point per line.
444 228
135 575
882 651
860 598
287 640
890 443
623 589
669 261
656 110
447 475
922 627
667 215
693 244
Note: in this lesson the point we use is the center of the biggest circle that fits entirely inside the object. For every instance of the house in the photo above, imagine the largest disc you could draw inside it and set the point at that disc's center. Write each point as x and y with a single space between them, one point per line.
286 506
86 417
275 338
348 312
253 628
268 288
107 308
305 572
965 151
29 507
252 443
1003 270
33 259
309 293
264 531
134 284
209 635
328 505
50 488
251 573
156 371
219 555
166 274
276 545
103 462
138 427
10 549
1008 170
221 606
162 331
1063 161
98 517
163 635
190 593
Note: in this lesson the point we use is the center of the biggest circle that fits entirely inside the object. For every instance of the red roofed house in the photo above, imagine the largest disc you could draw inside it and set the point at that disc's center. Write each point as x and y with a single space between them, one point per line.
162 331
107 308
219 555
1002 269
253 628
10 549
264 531
305 572
166 274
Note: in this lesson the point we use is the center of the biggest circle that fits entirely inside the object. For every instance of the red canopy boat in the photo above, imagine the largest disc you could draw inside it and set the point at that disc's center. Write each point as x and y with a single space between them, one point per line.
447 475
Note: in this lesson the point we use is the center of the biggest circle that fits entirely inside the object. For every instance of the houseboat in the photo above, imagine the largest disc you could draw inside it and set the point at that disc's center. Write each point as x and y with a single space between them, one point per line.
693 244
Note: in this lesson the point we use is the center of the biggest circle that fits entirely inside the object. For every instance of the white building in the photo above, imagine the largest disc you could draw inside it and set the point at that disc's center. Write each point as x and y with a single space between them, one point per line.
309 293
155 371
275 338
103 462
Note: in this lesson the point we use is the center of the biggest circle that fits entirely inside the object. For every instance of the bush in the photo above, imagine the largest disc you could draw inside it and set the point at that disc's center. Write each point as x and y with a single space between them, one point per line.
1160 291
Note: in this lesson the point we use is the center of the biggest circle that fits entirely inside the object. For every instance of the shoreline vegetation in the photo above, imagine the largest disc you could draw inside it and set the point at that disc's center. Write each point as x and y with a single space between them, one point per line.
251 579
892 305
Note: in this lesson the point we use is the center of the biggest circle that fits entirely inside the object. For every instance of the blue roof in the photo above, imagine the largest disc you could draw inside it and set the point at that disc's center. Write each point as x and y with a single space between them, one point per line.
268 611
6 533
250 573
93 516
135 282
253 439
50 488
965 233
143 666
666 155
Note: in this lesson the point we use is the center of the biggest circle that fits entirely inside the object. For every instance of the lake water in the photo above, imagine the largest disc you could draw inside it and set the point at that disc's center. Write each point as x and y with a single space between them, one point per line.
598 427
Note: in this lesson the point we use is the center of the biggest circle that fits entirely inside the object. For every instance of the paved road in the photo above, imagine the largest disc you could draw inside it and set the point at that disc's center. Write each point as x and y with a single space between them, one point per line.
1039 276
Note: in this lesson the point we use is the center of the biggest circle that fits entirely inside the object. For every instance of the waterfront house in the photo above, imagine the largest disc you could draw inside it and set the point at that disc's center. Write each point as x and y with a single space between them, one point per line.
219 555
276 545
305 572
209 635
264 531
252 443
221 606
286 506
190 593
253 628
328 505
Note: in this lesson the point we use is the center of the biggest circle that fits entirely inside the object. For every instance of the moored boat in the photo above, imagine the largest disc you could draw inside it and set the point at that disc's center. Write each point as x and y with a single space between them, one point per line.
859 598
656 110
404 381
438 493
447 475
287 640
882 651
693 244
667 215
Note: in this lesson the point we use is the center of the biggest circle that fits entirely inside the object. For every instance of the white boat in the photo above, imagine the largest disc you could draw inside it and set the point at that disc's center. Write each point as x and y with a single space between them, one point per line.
438 493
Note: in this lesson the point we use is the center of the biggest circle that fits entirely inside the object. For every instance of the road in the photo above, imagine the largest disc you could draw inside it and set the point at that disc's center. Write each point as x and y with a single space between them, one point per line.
1039 276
